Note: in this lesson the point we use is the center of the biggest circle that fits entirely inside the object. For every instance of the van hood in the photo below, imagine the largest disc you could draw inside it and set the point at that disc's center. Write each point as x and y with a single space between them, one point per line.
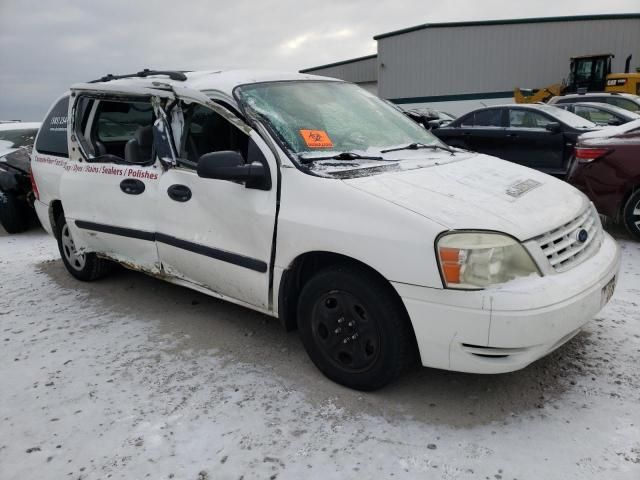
480 192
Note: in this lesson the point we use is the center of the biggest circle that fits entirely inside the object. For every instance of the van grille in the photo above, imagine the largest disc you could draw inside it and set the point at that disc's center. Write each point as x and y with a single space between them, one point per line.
563 246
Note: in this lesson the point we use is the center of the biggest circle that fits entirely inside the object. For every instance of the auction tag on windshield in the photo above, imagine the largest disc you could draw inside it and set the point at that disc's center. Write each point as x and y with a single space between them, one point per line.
316 138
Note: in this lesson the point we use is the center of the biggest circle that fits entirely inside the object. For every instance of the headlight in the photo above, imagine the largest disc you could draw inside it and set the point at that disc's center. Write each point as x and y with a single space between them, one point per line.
474 260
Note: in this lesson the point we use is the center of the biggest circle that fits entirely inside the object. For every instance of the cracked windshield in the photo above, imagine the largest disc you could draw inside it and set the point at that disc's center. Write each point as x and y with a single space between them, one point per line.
334 121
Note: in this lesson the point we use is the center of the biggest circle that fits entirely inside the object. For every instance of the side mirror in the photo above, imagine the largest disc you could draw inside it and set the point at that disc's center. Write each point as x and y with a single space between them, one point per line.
614 122
229 165
553 127
433 124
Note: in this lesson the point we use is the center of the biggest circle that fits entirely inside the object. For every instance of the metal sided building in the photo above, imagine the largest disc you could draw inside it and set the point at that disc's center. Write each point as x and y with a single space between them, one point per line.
361 70
458 66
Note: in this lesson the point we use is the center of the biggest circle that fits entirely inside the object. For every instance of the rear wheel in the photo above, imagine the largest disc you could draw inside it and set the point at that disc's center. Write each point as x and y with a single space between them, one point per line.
353 328
631 215
14 213
83 266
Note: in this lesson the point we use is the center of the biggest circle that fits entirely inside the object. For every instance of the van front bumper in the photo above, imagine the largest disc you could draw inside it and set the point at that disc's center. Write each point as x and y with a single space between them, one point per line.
505 328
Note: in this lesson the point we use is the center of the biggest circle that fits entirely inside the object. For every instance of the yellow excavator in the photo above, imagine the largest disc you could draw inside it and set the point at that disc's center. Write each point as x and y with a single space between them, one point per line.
589 73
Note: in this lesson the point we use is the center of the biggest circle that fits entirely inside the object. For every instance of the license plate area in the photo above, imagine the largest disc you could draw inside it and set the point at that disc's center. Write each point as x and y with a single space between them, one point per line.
607 291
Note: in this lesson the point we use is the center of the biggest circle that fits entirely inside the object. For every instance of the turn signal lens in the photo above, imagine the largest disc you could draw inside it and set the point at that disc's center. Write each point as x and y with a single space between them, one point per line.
450 261
585 154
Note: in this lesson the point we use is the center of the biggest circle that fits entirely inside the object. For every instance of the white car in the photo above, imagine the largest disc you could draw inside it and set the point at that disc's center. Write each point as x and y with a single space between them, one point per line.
313 201
628 101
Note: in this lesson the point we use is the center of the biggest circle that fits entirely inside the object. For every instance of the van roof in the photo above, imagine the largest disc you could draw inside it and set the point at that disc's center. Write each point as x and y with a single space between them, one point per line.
221 80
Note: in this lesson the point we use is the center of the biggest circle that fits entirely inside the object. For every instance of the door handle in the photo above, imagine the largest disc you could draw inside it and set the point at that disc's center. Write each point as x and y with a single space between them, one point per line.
132 186
179 193
512 135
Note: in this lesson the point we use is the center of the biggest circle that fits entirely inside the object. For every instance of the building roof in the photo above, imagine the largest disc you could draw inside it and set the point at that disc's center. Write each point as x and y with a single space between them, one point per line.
516 21
337 64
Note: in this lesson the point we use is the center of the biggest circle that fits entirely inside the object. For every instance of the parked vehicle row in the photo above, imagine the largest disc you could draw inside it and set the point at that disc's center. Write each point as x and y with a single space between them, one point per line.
313 201
536 135
553 137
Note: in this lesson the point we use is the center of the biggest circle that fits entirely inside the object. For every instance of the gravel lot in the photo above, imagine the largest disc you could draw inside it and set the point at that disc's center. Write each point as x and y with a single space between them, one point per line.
134 378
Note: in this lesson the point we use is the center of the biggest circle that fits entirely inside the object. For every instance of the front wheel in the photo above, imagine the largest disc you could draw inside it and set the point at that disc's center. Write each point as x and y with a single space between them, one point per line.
83 266
631 215
354 330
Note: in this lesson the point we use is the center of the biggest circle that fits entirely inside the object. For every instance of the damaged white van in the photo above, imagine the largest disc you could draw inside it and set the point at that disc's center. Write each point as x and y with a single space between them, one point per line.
311 200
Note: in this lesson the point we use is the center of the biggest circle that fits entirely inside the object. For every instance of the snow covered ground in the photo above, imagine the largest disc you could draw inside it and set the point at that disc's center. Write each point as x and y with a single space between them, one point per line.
131 377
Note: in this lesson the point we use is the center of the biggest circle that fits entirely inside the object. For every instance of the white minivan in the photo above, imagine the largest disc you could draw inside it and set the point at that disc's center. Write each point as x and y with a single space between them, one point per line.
313 201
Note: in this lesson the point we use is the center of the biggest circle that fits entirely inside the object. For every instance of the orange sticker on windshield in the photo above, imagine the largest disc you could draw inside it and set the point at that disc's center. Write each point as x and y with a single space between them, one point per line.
316 138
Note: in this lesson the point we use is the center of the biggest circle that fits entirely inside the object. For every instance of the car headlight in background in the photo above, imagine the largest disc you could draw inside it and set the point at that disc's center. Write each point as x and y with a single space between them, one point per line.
475 260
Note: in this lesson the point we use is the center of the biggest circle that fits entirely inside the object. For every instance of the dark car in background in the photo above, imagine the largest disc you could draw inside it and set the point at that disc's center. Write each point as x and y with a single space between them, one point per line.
16 195
537 136
607 170
600 113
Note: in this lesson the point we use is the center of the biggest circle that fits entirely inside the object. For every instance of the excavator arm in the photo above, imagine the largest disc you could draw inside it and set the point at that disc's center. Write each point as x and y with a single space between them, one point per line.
523 95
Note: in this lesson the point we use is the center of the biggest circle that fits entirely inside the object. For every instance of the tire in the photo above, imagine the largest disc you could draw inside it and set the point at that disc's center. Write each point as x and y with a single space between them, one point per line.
353 328
86 267
14 213
631 215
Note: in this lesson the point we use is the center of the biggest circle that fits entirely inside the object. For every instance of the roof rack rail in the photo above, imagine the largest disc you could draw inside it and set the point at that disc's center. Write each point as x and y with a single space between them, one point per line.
172 74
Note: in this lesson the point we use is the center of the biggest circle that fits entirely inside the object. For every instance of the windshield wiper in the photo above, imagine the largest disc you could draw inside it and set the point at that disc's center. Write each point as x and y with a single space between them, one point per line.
340 156
416 146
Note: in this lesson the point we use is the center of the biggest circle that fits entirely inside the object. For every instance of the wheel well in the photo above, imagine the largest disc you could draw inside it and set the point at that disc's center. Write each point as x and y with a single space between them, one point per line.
54 212
303 268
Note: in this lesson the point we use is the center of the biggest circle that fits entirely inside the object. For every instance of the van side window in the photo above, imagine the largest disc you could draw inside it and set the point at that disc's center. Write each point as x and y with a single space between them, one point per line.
52 138
206 131
124 129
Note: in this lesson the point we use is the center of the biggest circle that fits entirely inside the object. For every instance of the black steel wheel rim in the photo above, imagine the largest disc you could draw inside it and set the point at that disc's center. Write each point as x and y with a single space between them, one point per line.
345 332
635 216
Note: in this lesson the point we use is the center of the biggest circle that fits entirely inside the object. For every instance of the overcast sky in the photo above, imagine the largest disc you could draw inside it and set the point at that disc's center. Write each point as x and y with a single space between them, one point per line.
48 45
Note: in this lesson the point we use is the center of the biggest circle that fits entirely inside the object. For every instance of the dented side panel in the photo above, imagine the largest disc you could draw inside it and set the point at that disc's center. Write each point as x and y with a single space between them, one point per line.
102 216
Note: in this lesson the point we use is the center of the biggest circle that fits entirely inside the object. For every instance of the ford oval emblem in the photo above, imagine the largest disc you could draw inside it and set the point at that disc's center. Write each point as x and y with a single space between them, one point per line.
582 235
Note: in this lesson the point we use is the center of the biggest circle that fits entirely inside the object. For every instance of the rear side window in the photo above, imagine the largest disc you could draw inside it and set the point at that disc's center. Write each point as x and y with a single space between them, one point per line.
121 129
488 118
466 121
595 115
623 103
119 121
483 118
52 138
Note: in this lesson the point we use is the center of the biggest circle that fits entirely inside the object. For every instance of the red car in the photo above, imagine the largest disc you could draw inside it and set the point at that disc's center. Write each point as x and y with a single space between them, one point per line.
607 170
